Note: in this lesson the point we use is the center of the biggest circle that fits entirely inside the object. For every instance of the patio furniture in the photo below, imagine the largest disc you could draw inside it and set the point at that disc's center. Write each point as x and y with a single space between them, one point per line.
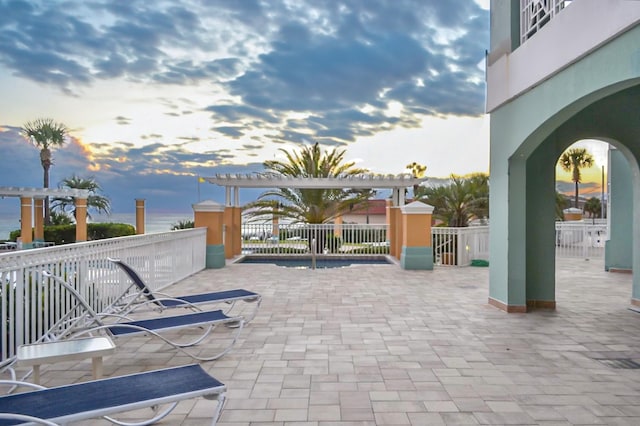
110 396
91 322
37 354
145 296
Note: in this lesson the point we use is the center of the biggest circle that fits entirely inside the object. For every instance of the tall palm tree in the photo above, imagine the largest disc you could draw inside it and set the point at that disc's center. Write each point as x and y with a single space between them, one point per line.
417 171
572 161
45 134
95 201
303 205
460 201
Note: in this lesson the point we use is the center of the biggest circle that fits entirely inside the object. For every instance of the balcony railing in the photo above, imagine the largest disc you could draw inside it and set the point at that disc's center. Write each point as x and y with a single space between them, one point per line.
534 14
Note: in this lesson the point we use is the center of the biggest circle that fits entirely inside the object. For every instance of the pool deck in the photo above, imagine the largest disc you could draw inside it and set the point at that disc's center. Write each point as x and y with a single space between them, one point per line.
378 345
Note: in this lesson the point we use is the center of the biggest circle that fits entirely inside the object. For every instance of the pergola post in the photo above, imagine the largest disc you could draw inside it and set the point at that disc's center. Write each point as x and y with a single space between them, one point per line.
210 215
25 222
139 216
81 219
38 219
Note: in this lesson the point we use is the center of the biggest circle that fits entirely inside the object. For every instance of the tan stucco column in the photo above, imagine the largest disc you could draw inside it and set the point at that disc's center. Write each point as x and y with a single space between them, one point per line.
81 219
572 214
236 231
26 209
210 215
139 216
395 231
38 219
417 249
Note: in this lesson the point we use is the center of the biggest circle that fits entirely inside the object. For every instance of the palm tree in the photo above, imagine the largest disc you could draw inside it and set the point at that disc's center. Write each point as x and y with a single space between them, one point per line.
594 207
460 201
304 205
417 171
95 201
45 134
561 204
572 161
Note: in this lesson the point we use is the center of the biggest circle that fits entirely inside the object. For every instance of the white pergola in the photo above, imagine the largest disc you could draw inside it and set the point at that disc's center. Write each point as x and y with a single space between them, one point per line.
397 183
14 191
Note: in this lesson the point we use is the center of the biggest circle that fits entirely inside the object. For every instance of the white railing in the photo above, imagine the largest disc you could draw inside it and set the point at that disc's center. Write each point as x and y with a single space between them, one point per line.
31 304
581 239
295 239
460 246
534 14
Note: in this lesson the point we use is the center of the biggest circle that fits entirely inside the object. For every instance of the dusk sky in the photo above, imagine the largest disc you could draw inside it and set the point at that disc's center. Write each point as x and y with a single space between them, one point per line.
158 93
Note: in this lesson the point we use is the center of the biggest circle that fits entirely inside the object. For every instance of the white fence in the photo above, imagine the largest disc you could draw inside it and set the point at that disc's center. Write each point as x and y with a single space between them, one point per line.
459 246
580 239
31 303
294 239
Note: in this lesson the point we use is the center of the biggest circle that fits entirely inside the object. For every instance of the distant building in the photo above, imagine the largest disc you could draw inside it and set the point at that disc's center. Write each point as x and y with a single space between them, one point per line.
372 212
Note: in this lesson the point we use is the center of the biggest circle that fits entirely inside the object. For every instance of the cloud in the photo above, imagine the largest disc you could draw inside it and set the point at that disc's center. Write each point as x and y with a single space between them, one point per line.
163 175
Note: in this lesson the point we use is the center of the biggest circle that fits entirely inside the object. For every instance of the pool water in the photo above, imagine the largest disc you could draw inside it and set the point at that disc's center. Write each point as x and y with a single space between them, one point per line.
305 263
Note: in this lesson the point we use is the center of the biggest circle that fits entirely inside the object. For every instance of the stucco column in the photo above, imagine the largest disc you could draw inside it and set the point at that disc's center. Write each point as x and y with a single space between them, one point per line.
210 215
139 216
38 219
81 219
572 214
25 222
417 250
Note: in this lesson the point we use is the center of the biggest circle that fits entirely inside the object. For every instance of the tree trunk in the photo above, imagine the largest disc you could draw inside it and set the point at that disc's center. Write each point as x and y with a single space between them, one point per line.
576 199
45 160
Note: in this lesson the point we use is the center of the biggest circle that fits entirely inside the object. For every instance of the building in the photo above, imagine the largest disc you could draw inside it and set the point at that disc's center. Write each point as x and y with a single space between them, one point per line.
558 72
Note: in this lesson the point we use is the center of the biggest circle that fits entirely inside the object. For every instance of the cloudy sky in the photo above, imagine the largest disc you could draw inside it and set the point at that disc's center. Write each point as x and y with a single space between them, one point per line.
158 93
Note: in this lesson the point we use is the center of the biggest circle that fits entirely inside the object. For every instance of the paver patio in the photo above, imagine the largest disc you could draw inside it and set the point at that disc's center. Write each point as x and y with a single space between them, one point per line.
378 345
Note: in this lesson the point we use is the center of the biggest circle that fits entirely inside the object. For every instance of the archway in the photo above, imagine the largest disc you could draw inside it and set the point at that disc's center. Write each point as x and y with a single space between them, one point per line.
532 177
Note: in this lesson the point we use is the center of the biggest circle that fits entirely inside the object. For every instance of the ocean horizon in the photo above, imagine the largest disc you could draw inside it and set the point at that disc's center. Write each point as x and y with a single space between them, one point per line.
154 222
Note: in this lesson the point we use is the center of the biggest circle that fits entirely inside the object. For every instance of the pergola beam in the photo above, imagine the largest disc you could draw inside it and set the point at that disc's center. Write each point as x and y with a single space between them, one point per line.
344 182
14 191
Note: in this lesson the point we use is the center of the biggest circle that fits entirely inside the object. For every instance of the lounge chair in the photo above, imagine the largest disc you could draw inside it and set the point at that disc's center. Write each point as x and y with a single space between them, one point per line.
145 295
88 322
105 397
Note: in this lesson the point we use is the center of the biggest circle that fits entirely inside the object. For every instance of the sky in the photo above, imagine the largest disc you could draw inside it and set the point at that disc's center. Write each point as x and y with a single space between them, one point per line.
155 94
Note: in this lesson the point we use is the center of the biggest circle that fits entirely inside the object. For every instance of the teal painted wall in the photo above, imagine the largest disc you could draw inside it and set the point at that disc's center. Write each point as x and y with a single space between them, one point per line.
618 252
419 258
589 99
215 256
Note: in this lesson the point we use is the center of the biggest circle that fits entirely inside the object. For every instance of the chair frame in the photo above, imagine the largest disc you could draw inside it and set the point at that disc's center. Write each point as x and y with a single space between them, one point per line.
144 296
91 322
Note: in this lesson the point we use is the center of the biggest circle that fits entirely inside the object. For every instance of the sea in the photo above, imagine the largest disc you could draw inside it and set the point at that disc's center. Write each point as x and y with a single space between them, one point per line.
153 221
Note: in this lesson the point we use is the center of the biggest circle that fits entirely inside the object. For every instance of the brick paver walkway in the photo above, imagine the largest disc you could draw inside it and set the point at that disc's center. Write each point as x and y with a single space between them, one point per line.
377 345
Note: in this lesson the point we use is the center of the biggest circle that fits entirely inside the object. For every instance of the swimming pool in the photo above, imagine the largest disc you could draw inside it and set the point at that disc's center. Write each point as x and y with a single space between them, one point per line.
321 263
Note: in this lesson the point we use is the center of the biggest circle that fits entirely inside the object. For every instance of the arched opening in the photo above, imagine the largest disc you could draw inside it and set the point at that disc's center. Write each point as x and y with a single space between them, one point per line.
533 170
